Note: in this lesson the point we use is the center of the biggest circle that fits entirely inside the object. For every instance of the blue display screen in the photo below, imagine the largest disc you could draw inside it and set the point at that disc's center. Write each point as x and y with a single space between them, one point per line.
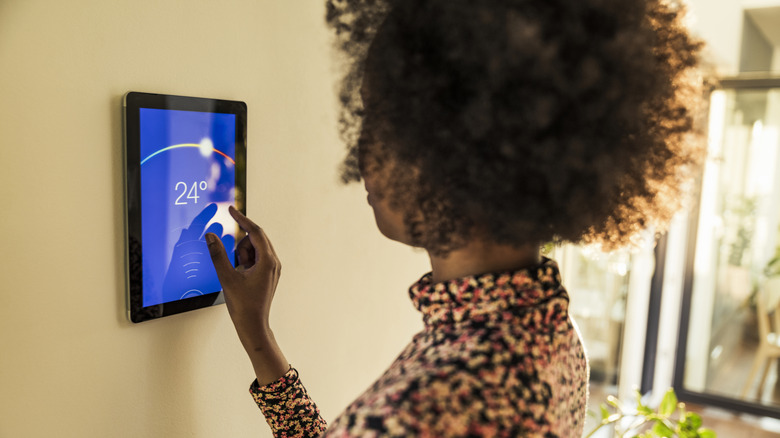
188 174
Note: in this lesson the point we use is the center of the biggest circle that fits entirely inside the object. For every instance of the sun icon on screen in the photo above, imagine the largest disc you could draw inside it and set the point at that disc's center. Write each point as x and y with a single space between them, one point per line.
206 147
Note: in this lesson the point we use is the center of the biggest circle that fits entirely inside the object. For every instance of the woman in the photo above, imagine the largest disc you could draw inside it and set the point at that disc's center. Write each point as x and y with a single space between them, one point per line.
482 129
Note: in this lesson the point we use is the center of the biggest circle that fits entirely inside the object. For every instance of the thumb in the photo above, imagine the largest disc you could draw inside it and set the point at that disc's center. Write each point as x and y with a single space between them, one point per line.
219 257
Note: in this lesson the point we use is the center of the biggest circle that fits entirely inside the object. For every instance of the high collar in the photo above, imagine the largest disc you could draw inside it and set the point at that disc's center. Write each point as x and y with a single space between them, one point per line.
486 297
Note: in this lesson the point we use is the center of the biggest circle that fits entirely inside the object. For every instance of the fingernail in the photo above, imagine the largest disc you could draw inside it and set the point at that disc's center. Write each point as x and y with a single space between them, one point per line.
210 238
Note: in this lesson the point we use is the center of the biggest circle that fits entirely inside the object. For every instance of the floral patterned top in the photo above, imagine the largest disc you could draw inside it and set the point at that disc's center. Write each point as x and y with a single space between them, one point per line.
498 357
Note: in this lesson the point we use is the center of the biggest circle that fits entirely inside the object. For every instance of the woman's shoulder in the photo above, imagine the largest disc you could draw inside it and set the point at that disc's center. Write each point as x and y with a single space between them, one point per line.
465 384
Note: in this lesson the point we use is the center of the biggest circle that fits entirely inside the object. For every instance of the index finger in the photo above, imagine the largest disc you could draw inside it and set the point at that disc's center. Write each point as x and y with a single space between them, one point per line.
253 231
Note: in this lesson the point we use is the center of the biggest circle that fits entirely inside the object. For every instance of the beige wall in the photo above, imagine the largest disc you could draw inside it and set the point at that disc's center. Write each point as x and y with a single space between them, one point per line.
719 24
70 363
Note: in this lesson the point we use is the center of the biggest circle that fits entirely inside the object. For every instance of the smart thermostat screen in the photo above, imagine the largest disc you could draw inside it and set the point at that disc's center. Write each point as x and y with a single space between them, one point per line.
188 180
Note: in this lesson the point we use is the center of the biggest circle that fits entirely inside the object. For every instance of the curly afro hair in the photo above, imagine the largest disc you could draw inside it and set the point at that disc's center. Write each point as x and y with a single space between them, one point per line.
523 121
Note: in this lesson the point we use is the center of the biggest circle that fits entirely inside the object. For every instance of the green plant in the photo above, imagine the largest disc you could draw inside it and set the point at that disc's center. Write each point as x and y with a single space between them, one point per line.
741 217
644 422
772 268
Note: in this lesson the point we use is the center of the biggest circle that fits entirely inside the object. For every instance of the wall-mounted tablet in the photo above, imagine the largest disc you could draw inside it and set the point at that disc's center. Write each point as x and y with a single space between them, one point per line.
185 163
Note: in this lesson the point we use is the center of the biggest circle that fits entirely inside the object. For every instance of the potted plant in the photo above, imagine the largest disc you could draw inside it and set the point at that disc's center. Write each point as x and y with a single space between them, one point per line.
669 420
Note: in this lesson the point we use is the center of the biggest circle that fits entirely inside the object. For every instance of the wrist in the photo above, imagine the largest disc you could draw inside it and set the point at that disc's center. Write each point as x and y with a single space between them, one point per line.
267 358
260 345
250 321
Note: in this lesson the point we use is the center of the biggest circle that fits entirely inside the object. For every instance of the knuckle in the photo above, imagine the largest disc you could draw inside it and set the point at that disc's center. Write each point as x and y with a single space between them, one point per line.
273 264
268 264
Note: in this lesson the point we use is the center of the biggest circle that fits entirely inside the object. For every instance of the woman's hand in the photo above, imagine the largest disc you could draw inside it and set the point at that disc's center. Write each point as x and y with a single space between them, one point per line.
249 290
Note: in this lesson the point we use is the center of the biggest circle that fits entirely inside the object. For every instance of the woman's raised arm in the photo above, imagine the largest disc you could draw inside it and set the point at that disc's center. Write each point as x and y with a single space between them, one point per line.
249 290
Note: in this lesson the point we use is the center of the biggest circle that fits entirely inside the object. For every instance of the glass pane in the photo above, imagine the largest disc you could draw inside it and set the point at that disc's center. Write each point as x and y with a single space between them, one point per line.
733 330
598 285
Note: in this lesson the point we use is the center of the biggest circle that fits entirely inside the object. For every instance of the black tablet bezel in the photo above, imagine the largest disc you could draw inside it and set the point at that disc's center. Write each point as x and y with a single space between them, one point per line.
132 103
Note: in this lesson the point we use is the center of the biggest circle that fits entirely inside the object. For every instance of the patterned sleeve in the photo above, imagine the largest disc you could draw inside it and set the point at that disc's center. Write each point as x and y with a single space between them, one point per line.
287 407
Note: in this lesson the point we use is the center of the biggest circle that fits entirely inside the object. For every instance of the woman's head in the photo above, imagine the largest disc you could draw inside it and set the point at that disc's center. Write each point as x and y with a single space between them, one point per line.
518 121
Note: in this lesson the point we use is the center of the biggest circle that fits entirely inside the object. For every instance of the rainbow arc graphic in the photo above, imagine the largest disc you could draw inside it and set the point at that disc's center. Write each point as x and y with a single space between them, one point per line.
186 145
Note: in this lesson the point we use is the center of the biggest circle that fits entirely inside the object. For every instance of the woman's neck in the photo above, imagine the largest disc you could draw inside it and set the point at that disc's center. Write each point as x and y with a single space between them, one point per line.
479 257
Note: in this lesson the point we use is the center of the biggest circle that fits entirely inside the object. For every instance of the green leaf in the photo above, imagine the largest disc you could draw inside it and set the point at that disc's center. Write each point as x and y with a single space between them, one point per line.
640 407
668 404
692 420
707 433
662 430
686 433
604 412
638 397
